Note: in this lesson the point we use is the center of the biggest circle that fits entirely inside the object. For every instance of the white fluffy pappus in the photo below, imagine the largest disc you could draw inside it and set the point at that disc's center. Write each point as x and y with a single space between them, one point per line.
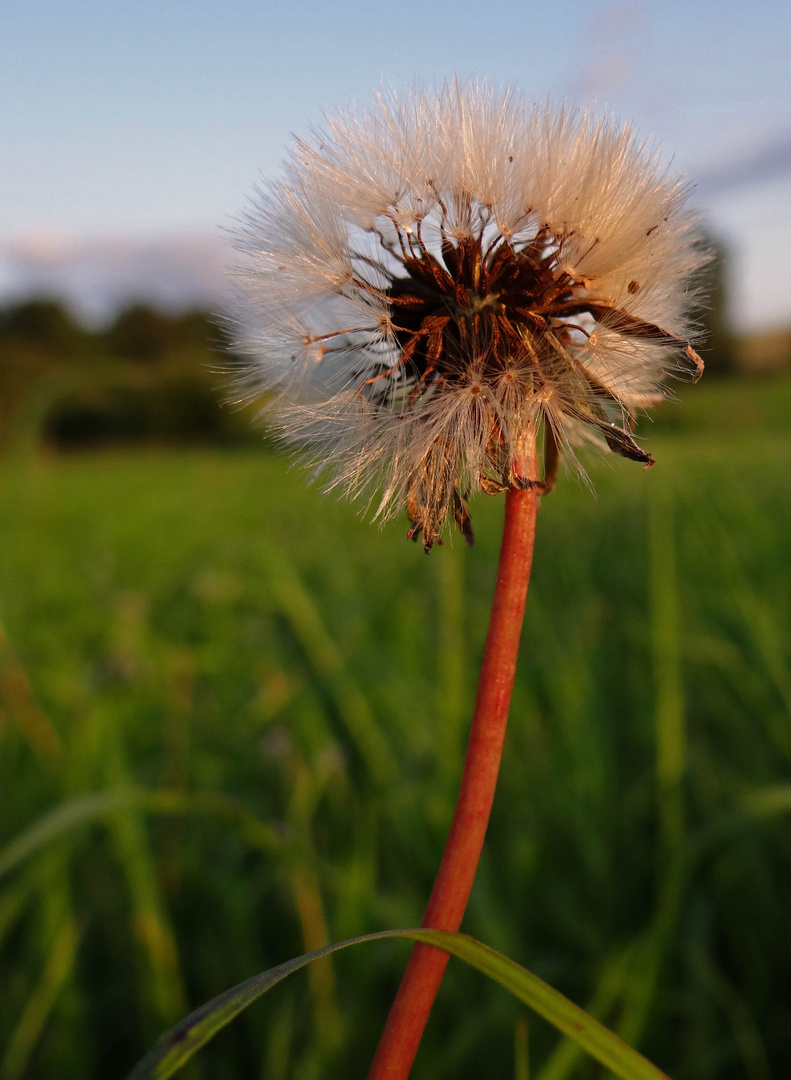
448 272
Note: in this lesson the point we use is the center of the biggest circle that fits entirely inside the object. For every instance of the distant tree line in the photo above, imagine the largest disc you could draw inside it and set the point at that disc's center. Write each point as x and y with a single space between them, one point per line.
157 377
147 377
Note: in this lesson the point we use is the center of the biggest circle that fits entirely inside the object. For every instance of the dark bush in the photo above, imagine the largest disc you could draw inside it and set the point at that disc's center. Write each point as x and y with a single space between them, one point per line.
115 414
43 324
140 333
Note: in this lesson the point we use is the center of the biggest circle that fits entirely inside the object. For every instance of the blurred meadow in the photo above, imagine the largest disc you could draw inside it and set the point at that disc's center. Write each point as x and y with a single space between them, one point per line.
233 714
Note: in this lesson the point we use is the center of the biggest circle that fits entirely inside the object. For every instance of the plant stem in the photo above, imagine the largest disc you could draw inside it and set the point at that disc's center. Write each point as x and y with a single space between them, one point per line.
410 1010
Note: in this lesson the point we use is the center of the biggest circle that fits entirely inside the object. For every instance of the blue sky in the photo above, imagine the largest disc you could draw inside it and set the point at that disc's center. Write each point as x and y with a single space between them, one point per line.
135 133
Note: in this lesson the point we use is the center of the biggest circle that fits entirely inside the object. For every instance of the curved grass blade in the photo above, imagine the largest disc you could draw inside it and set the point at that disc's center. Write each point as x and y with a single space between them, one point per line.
62 819
59 966
178 1045
95 806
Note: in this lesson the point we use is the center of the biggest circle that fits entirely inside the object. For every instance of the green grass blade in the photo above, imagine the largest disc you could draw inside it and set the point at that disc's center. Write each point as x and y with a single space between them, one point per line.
177 1046
64 818
768 801
95 806
521 1050
667 652
610 991
299 608
601 1043
59 967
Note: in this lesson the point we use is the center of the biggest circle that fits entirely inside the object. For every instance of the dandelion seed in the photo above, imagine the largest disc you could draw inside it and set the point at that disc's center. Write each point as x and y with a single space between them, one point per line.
442 273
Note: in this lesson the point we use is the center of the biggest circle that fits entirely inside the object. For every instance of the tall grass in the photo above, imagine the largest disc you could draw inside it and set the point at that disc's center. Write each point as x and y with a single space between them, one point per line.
232 720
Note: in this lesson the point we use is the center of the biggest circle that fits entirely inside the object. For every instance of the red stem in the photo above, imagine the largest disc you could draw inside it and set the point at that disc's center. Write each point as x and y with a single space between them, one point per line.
410 1010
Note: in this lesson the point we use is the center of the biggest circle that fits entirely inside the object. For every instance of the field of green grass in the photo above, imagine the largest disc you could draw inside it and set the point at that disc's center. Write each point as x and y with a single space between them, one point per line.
232 719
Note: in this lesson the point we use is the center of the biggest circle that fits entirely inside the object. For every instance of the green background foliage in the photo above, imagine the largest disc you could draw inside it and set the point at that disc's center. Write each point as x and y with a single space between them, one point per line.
232 719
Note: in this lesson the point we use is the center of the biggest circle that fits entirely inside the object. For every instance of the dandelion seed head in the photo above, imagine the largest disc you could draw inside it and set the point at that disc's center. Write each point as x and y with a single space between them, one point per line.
445 271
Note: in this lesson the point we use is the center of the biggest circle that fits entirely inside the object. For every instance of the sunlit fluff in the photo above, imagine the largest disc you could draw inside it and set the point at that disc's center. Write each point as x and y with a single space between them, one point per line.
444 273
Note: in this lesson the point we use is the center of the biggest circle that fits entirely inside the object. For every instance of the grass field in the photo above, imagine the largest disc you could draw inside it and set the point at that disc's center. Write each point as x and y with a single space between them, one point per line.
232 718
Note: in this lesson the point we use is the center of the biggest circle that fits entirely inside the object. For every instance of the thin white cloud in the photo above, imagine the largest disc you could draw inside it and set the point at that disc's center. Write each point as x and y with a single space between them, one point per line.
96 277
